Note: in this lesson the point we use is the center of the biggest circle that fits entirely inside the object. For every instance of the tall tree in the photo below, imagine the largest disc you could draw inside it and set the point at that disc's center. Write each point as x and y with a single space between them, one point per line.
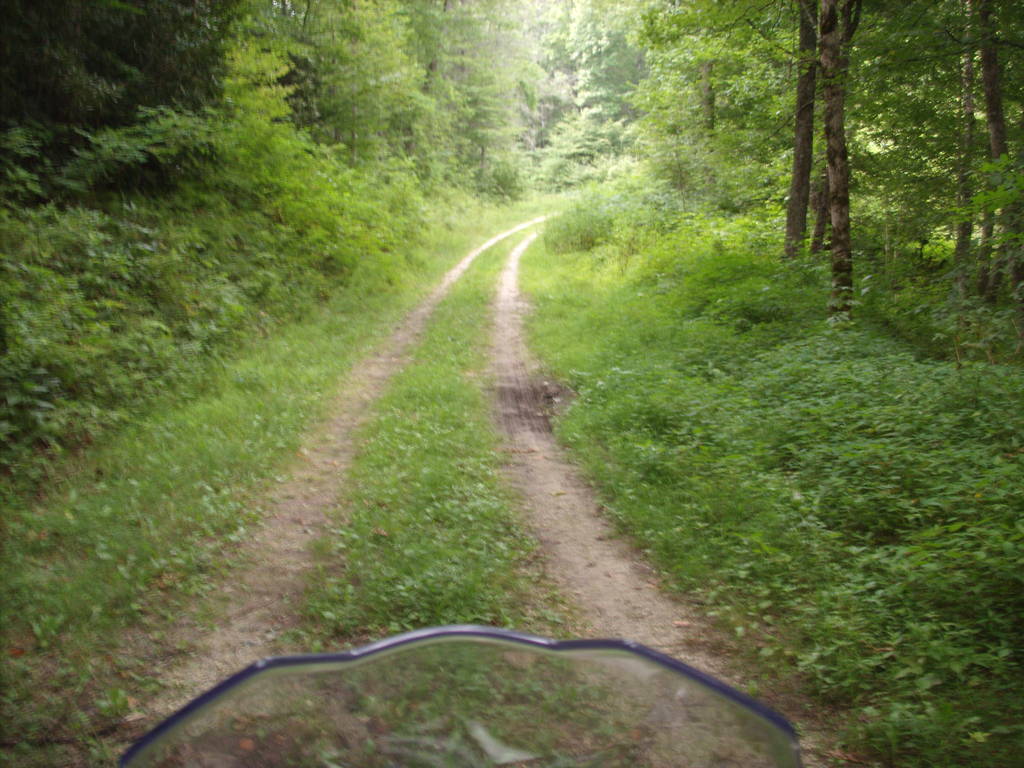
991 274
965 227
803 132
707 96
589 49
990 78
839 20
1008 260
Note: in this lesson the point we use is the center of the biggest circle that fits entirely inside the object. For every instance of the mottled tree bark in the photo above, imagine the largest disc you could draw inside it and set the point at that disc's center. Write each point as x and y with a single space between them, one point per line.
839 19
990 81
803 131
964 191
819 201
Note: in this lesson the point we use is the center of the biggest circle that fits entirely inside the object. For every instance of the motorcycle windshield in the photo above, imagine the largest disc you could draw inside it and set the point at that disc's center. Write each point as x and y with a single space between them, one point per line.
470 696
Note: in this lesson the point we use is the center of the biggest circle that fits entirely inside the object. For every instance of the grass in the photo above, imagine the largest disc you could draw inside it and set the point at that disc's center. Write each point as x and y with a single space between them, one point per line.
851 510
428 534
146 520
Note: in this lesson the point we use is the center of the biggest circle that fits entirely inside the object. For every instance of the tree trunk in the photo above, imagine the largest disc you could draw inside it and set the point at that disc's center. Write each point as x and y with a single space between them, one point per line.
803 131
839 20
1006 262
990 81
987 287
707 96
707 107
1017 260
433 65
965 228
820 205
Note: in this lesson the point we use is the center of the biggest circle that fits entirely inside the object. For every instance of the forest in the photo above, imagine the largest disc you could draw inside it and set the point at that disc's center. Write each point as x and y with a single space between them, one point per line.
782 277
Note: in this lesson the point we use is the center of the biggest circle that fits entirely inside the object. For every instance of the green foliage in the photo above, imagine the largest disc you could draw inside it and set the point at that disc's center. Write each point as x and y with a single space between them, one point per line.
607 63
503 180
583 149
717 109
152 221
583 227
351 79
20 147
920 293
725 270
100 312
105 306
853 507
592 71
718 83
163 147
628 213
149 515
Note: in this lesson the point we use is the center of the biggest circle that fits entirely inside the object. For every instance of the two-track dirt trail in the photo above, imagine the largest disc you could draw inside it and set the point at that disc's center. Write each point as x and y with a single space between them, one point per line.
614 590
265 596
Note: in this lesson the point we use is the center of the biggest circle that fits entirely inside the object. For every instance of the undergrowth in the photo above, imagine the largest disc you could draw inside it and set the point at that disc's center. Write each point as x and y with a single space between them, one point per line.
850 507
109 296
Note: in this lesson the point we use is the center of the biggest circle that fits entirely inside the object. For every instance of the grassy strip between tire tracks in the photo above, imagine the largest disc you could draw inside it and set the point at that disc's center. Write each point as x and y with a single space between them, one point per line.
429 534
146 520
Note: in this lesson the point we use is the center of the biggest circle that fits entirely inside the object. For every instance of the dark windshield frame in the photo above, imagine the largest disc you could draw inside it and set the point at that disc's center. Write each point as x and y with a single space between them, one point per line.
465 631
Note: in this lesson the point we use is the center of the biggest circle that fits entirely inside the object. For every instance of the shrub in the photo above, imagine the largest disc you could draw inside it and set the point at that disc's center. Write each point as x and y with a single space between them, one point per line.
502 180
107 303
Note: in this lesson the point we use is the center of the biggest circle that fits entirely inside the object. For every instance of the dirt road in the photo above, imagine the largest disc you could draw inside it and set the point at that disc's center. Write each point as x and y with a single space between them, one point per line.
613 591
265 595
